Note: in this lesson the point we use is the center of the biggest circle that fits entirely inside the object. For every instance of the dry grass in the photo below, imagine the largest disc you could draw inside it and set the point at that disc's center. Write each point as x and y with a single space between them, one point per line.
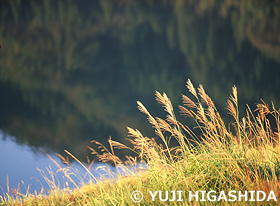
241 156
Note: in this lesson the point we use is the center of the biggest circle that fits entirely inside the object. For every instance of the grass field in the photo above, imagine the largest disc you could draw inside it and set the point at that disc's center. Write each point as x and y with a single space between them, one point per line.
233 164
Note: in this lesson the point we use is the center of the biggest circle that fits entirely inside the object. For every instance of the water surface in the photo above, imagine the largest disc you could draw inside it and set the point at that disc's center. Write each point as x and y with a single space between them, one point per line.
71 71
28 169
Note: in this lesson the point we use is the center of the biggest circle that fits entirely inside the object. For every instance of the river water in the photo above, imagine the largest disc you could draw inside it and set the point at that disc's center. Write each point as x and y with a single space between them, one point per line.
72 71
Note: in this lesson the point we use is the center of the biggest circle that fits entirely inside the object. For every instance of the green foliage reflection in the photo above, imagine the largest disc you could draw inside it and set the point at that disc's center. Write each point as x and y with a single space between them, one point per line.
71 71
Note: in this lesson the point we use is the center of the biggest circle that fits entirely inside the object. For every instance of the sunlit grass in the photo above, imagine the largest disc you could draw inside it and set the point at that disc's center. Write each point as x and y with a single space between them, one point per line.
241 156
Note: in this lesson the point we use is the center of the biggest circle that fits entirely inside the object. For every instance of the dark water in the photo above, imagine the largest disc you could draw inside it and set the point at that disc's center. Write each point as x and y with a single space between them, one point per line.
72 71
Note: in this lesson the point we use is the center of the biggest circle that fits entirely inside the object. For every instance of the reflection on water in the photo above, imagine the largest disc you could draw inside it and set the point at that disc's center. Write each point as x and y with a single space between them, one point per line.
72 71
25 169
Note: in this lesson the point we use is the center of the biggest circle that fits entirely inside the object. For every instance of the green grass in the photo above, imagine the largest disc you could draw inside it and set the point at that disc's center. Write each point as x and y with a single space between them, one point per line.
242 156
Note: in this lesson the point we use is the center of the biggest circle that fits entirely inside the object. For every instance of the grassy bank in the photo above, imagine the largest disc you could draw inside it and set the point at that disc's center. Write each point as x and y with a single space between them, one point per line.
222 160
